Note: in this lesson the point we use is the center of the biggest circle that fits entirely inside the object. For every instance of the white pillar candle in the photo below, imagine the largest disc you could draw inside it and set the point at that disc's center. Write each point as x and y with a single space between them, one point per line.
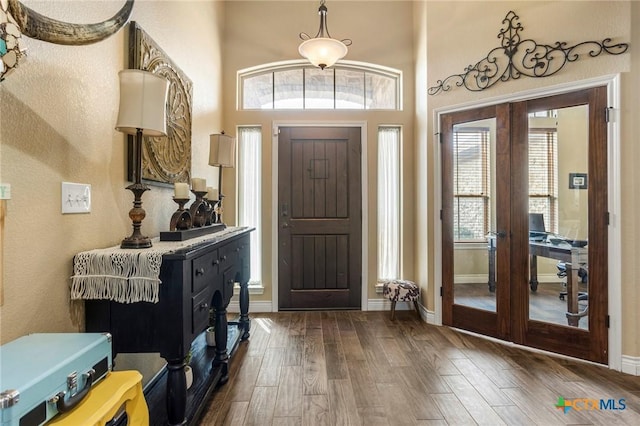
212 193
198 184
181 190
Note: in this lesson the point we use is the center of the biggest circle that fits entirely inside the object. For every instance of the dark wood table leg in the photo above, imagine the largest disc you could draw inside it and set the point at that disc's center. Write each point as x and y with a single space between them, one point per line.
176 392
245 322
222 356
533 273
572 296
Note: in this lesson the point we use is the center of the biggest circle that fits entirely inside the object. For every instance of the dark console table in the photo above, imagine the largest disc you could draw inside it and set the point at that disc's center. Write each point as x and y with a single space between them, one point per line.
193 278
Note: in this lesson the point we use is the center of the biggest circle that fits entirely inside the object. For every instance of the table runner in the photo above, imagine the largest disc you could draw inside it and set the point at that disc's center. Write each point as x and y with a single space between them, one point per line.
128 275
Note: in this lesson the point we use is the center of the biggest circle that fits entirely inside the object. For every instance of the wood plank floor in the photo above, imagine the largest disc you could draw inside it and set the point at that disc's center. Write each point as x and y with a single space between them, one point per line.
360 368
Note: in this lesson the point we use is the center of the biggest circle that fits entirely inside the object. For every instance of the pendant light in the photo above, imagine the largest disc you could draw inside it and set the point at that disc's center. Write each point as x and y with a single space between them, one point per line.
322 50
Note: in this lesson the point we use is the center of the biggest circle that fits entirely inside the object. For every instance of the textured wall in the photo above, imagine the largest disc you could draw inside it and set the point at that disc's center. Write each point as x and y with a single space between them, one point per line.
57 117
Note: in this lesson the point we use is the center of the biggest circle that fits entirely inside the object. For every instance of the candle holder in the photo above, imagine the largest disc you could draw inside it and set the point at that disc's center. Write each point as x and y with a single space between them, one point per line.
181 218
218 209
198 209
211 211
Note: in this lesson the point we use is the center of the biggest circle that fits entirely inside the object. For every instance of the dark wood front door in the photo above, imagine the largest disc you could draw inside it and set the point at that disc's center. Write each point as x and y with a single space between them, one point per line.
320 220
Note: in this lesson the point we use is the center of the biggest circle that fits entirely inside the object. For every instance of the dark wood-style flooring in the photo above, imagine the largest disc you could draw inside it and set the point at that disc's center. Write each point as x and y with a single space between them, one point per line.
360 368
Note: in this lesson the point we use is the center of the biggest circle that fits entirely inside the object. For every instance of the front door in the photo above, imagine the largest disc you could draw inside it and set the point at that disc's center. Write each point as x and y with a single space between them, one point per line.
524 222
320 220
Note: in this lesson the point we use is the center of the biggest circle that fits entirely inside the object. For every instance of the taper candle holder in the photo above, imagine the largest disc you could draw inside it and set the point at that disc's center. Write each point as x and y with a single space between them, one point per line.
198 209
181 218
211 211
218 209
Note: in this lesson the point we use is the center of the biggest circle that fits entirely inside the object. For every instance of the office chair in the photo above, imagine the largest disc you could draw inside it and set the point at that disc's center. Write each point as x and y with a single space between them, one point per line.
583 274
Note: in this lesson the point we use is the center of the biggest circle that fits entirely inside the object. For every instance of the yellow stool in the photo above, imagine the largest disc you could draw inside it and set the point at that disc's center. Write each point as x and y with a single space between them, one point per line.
105 399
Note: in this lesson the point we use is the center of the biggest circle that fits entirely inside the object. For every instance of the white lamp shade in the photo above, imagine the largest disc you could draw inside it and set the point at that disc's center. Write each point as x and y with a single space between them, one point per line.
222 150
323 52
143 101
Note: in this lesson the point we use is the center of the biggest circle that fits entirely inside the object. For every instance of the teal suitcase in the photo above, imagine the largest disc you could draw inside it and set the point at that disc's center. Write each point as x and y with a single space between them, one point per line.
44 374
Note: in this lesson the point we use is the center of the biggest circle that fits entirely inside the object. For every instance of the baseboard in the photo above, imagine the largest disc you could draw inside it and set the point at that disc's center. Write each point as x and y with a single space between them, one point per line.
254 306
385 305
631 365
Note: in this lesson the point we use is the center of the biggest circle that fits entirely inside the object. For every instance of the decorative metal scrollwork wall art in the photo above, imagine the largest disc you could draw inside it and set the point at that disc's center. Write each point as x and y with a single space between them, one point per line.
515 58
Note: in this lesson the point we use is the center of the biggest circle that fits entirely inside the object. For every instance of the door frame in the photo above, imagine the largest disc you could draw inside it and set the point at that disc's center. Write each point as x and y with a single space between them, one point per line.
612 82
364 297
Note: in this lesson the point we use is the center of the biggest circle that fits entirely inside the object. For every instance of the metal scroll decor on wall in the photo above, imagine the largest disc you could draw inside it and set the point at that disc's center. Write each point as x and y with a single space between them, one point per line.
165 160
516 57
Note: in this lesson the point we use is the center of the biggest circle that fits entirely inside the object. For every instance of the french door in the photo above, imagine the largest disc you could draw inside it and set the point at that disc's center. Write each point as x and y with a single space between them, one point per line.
524 222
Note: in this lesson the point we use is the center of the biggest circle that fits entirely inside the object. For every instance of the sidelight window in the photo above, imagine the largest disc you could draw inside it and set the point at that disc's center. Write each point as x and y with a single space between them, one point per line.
389 202
249 194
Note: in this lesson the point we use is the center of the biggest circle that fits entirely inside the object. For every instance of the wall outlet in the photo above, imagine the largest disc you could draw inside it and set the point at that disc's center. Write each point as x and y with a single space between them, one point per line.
76 197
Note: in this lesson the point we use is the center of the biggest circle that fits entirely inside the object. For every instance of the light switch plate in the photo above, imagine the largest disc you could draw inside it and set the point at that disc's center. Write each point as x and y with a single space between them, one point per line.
5 191
76 197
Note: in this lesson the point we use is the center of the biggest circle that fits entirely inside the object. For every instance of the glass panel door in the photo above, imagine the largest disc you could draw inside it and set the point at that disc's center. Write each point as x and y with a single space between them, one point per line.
475 256
524 222
558 216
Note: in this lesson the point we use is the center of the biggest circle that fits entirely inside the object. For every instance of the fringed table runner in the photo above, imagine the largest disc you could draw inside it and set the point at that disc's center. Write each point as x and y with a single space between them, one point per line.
128 275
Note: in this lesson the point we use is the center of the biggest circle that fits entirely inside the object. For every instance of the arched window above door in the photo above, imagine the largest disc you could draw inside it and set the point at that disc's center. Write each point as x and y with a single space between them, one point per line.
297 85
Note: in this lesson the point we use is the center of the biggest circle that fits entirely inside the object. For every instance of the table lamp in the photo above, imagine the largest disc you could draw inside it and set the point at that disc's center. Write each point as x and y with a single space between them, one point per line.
143 99
222 153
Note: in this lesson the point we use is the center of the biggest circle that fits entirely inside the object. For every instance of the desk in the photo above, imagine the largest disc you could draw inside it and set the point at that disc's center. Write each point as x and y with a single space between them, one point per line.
562 252
191 280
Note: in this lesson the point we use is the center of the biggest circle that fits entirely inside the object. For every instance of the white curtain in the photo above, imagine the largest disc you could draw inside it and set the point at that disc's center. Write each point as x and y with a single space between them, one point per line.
388 203
249 191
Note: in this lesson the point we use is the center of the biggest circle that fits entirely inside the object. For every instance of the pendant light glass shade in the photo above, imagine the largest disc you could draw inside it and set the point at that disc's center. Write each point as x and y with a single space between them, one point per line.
322 50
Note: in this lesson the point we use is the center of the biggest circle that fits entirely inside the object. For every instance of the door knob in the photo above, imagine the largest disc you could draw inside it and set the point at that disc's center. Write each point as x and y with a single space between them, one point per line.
285 225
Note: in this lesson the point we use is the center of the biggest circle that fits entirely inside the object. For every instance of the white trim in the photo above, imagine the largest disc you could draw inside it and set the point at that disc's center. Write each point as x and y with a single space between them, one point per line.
630 365
255 288
258 306
615 232
614 286
274 201
385 305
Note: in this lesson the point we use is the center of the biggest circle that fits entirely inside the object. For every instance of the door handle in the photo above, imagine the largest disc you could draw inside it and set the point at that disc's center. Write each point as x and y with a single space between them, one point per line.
284 210
285 225
501 234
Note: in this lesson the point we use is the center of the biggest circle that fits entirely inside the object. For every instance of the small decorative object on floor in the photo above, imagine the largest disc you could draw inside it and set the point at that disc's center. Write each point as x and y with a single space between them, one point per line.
403 291
210 336
188 371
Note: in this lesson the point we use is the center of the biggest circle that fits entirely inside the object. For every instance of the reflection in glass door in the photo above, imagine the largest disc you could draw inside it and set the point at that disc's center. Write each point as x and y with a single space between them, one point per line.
558 216
474 214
